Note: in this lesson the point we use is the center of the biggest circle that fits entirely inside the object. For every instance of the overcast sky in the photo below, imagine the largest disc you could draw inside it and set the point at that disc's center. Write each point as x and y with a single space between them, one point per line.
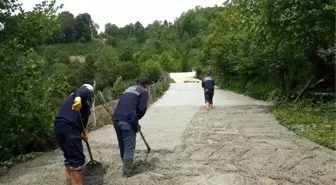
122 12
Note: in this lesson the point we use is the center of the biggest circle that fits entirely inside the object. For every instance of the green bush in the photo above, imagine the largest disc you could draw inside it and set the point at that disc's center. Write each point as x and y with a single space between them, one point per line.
198 72
34 103
78 48
161 88
152 70
120 85
129 70
53 55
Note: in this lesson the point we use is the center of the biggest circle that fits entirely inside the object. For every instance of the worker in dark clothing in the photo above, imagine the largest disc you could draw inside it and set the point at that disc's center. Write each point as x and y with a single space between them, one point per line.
208 84
132 106
69 131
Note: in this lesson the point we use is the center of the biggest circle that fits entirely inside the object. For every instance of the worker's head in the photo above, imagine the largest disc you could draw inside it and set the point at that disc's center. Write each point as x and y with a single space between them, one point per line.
207 73
90 88
143 82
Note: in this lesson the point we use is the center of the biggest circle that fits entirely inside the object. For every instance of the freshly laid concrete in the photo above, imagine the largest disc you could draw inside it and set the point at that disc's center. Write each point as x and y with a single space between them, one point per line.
169 117
237 143
181 77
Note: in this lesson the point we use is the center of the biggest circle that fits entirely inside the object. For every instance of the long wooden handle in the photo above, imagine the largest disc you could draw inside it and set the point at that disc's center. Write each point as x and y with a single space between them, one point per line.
84 131
89 150
104 102
143 138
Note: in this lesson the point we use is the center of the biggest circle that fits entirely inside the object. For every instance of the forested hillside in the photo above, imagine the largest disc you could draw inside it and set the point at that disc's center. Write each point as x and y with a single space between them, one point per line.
265 49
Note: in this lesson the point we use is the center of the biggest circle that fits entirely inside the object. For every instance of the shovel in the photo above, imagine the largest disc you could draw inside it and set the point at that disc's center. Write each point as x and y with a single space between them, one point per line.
143 138
93 167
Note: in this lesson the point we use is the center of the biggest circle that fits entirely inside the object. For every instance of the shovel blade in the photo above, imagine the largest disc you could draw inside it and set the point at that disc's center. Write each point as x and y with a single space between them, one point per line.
93 168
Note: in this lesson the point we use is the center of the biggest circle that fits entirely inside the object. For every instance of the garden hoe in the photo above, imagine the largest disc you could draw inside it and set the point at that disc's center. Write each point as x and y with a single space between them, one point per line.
93 167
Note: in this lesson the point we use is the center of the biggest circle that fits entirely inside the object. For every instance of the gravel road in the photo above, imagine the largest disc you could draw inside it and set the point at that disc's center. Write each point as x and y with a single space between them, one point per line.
239 142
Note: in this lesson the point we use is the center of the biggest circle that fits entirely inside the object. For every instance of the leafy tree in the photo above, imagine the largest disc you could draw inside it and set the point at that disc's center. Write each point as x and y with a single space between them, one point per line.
28 98
108 65
88 69
152 70
67 21
83 25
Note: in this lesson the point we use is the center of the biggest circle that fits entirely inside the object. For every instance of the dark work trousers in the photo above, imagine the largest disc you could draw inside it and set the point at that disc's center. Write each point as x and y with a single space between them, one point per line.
70 142
126 139
208 95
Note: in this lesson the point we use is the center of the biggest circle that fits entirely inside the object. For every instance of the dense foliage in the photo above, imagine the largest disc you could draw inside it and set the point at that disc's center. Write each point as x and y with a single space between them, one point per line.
28 93
270 49
267 49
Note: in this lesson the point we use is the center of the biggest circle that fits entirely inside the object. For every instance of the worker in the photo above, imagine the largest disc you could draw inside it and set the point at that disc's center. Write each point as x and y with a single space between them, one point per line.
131 107
70 123
208 84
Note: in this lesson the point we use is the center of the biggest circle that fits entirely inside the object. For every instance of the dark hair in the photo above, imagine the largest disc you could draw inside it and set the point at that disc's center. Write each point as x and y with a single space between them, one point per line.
142 81
207 73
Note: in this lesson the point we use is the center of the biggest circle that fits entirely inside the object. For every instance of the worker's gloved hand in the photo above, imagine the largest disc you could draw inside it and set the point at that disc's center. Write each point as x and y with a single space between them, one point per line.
85 137
77 105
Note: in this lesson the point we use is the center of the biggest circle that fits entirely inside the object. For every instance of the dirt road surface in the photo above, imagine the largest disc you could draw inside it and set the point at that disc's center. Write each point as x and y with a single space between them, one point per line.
239 142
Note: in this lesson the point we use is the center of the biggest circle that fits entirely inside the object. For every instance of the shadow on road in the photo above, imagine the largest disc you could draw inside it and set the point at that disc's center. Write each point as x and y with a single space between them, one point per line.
95 177
257 108
141 166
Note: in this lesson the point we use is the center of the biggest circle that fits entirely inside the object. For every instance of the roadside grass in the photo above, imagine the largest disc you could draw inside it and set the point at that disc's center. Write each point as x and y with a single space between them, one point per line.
171 80
314 121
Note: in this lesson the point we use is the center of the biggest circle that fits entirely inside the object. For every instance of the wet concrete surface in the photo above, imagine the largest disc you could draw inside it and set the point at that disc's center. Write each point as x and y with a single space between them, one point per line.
237 143
181 77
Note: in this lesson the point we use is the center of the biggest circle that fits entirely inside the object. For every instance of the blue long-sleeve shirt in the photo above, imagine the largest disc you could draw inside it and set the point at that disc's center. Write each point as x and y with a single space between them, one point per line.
208 84
132 105
67 114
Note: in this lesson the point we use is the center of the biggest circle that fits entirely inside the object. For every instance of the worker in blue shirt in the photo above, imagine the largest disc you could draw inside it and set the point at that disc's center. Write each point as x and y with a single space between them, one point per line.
69 131
208 84
131 107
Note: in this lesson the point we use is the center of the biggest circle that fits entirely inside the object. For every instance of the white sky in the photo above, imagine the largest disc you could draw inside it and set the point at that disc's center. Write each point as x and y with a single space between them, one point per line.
123 12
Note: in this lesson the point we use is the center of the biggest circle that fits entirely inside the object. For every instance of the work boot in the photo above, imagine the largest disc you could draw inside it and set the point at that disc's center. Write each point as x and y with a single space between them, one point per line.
127 168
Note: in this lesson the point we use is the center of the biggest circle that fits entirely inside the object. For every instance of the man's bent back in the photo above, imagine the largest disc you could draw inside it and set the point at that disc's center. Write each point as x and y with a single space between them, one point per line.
132 106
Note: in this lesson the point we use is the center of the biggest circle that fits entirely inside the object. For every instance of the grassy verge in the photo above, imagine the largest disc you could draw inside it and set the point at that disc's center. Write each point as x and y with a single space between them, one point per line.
314 121
171 80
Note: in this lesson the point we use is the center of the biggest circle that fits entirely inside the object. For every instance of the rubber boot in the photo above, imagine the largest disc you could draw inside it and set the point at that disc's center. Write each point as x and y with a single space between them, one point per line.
127 168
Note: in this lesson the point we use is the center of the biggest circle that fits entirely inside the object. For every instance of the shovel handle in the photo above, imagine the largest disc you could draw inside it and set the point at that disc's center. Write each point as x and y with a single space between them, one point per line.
89 150
143 138
87 143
